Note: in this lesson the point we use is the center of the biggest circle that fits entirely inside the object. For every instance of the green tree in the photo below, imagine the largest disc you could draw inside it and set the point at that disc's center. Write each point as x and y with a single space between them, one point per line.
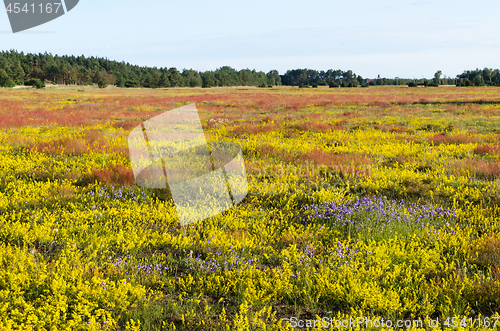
17 73
175 77
246 77
208 79
35 82
120 80
437 78
5 80
274 77
4 65
191 78
132 83
164 81
84 77
227 76
150 81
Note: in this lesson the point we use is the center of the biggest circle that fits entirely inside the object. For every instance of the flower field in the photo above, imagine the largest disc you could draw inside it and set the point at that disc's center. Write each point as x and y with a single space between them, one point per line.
378 202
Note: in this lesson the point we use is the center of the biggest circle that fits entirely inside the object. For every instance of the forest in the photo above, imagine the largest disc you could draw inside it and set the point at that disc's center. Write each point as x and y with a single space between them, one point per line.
17 68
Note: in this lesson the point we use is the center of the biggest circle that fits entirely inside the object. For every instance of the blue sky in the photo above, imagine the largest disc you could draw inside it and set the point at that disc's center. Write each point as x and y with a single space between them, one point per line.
405 38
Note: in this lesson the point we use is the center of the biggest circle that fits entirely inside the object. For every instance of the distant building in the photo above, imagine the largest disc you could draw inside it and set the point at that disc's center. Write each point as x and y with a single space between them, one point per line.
368 80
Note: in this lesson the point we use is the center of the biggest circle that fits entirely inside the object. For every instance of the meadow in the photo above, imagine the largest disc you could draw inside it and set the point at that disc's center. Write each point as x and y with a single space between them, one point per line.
379 202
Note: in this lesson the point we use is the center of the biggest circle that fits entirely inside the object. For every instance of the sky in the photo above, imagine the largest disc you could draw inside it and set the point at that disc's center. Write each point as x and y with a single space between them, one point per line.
390 38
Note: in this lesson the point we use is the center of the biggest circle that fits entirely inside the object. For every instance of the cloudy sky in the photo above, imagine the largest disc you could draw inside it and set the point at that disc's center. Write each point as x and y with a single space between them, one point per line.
393 38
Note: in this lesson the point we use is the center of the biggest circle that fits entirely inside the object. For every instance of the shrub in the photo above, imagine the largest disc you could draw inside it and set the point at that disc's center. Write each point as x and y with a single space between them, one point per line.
103 83
412 84
314 85
333 84
35 82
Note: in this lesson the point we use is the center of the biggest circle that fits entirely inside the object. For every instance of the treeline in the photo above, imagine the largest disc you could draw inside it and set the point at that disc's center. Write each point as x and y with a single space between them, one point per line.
478 77
304 77
335 78
20 69
36 69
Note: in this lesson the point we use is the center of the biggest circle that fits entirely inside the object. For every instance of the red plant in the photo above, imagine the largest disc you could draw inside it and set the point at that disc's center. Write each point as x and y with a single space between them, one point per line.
344 164
91 140
487 149
486 252
452 139
483 169
253 129
114 175
66 146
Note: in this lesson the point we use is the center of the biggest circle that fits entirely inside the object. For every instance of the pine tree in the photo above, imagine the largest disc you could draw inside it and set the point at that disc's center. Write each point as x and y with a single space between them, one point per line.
5 80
